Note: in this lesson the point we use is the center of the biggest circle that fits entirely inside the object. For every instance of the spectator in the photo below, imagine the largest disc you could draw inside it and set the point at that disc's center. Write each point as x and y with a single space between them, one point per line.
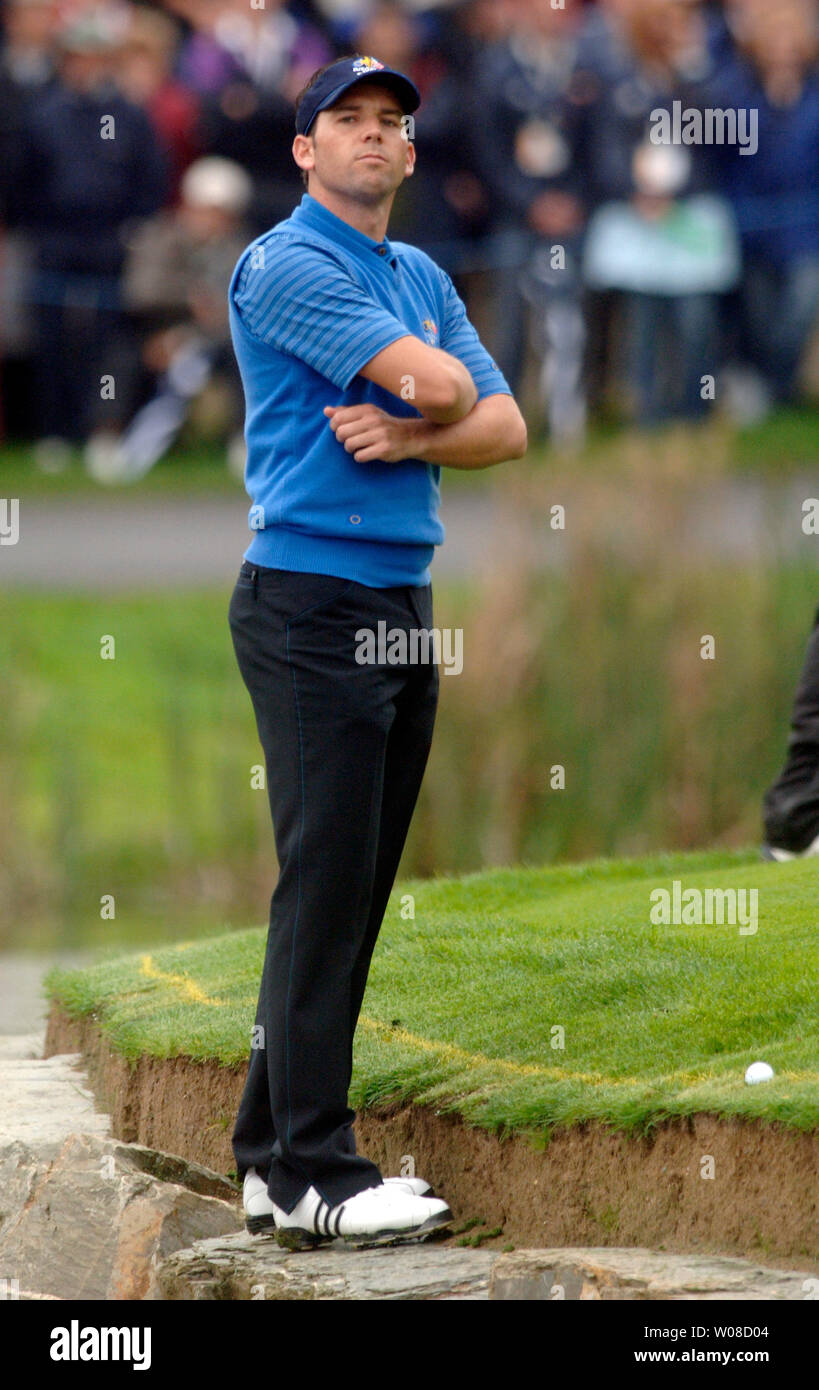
176 281
92 166
450 201
247 65
28 29
26 71
433 209
535 167
658 238
775 194
524 137
145 75
636 56
669 256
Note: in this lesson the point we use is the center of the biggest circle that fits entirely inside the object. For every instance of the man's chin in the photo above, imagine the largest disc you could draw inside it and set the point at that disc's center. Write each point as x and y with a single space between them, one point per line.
367 183
373 180
380 167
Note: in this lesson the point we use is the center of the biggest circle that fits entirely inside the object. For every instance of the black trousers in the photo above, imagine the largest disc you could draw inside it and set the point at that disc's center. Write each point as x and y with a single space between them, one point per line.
345 746
791 805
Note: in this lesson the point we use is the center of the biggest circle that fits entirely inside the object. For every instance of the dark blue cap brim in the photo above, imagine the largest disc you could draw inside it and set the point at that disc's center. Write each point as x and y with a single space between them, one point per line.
406 91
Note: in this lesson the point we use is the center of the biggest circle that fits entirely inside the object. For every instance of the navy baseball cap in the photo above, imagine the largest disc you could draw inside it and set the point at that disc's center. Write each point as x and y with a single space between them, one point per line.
346 73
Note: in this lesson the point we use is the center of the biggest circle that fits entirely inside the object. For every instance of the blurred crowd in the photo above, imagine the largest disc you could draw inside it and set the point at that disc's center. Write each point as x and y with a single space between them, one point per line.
143 145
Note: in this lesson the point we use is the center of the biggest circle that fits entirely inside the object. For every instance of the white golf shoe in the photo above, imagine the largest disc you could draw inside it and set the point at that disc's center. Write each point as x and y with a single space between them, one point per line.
383 1213
378 1214
260 1211
418 1186
783 856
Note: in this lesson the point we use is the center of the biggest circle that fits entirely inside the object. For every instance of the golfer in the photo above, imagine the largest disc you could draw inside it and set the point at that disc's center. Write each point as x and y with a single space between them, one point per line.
362 379
791 805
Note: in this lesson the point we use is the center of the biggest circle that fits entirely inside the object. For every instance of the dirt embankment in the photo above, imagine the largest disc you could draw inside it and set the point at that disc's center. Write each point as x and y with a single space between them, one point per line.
589 1186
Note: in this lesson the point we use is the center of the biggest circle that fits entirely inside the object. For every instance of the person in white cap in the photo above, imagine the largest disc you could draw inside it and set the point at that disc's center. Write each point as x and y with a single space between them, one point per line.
175 282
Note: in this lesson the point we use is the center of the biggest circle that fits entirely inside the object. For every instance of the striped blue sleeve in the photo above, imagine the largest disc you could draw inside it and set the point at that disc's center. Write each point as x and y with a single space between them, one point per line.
302 301
459 338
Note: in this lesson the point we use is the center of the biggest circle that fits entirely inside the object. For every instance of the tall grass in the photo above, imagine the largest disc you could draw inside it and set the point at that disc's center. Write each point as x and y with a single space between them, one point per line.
581 650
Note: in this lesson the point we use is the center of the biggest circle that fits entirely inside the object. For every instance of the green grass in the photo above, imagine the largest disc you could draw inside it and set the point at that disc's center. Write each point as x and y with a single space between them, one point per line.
193 467
132 777
463 999
786 442
128 777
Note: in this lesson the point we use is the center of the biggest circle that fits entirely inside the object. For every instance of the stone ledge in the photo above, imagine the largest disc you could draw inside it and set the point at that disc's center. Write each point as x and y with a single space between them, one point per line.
244 1267
257 1269
612 1274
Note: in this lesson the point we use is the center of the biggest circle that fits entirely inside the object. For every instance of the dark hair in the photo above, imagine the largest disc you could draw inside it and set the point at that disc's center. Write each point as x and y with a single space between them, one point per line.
319 72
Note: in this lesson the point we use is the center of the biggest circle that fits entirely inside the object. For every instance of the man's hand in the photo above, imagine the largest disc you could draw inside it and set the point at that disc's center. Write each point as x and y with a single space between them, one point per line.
493 431
369 433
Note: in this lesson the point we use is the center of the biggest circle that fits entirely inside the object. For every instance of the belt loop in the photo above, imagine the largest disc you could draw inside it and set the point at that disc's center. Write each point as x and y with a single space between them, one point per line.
255 578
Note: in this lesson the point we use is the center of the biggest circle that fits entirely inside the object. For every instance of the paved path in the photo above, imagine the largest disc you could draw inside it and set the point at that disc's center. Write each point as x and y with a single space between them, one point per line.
147 543
107 544
44 1100
23 1006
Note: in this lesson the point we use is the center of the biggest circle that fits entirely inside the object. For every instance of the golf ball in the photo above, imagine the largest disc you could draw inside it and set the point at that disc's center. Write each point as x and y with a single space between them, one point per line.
758 1071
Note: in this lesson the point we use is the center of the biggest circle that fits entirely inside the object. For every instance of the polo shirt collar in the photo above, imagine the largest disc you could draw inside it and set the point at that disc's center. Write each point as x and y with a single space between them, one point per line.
316 215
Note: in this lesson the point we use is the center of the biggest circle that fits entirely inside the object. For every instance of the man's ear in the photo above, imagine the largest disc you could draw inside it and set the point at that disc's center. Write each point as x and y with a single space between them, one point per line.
303 152
409 166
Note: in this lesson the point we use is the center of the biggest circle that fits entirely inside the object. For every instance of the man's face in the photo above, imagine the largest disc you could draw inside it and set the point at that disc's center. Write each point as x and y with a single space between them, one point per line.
358 146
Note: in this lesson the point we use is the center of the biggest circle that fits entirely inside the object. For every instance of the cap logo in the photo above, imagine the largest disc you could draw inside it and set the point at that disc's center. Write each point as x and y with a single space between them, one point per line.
331 83
362 65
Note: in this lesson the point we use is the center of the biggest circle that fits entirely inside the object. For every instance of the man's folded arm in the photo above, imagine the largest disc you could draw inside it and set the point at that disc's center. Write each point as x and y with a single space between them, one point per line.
493 432
301 301
436 383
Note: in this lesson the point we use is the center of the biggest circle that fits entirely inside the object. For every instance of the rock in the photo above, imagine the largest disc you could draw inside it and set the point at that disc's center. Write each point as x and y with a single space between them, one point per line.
83 1215
93 1221
256 1268
615 1274
171 1168
19 1171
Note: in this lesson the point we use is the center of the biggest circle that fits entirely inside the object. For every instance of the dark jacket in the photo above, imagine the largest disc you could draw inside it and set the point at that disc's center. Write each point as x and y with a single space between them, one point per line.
79 191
